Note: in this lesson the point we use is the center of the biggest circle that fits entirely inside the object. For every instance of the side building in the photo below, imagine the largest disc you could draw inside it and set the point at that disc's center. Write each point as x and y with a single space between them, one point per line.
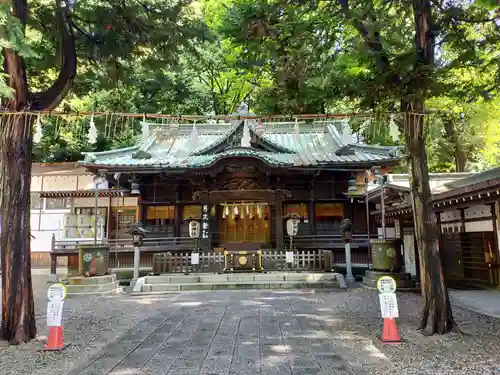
467 209
62 191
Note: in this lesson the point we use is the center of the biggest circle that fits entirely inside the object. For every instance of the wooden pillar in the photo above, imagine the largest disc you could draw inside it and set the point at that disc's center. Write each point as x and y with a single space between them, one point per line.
440 243
177 213
139 211
312 210
53 256
108 219
496 225
495 210
279 221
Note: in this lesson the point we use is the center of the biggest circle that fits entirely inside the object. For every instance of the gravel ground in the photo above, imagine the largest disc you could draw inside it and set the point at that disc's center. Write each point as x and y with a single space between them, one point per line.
89 324
353 317
475 352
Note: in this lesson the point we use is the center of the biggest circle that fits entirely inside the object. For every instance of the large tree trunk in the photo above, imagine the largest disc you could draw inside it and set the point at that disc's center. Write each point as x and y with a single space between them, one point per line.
436 315
18 311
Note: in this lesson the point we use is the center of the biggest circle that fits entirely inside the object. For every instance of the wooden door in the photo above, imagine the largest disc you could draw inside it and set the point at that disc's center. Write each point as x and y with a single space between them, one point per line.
243 228
491 257
451 255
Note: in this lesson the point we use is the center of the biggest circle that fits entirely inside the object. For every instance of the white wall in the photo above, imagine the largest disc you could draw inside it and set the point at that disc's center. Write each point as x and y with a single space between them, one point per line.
389 232
44 224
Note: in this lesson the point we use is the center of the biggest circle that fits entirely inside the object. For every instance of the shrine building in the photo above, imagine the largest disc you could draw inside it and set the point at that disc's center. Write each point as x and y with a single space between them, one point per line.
241 180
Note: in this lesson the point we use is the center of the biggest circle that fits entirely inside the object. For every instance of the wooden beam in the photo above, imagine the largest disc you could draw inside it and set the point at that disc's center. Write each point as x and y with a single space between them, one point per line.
279 221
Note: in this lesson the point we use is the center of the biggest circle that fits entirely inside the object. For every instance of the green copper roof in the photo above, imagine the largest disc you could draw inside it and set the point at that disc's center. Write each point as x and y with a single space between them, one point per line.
282 144
475 178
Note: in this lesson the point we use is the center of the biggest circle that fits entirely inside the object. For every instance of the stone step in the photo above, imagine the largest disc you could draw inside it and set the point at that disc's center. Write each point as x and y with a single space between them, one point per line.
175 287
107 293
243 277
94 280
395 275
401 284
92 288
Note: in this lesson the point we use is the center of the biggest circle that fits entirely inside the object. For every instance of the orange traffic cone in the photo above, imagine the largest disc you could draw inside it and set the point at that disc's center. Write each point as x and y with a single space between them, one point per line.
390 333
55 341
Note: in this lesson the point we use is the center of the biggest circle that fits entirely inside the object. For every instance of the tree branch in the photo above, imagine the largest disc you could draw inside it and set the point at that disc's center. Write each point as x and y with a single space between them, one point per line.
49 99
372 40
14 65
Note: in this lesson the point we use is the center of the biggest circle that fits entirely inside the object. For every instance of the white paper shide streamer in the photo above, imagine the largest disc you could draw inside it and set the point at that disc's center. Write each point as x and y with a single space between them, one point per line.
393 130
38 131
92 135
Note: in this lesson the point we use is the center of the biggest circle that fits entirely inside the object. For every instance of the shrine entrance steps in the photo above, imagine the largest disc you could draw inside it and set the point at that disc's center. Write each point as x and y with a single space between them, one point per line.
95 285
276 280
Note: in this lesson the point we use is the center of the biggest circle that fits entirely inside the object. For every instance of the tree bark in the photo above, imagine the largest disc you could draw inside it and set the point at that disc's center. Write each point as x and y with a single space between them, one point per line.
436 315
18 311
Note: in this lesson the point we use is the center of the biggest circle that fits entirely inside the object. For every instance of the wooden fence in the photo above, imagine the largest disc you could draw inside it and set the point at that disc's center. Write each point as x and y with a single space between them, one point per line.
272 260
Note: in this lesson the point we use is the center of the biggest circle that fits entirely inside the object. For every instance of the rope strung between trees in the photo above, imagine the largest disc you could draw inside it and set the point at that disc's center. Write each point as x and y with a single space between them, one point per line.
375 127
180 118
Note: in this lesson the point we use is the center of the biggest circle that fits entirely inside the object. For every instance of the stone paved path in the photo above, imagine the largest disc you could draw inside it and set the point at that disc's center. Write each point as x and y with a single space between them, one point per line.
238 333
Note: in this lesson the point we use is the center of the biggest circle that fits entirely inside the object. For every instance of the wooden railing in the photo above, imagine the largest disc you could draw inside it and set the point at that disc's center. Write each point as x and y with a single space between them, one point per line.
329 241
153 244
163 244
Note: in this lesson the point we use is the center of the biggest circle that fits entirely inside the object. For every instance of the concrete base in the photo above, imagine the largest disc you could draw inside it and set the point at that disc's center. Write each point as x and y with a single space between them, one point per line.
403 280
350 280
97 285
278 280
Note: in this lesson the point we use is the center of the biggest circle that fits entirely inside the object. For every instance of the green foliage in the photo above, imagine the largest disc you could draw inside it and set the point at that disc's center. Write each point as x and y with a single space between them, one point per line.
182 57
11 37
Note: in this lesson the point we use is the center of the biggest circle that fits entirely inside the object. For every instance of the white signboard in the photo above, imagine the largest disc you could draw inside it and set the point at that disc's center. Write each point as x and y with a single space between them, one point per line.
397 228
54 313
289 256
205 221
389 305
409 252
386 284
195 258
57 292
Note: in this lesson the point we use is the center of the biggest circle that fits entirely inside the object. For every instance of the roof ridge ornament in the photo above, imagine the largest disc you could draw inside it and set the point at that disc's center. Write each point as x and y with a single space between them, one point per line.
144 129
346 132
194 137
245 136
242 108
296 128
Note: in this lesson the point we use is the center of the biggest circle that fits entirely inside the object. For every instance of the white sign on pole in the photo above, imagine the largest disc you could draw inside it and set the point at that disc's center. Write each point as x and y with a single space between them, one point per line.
389 305
57 292
54 313
289 256
195 258
386 284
